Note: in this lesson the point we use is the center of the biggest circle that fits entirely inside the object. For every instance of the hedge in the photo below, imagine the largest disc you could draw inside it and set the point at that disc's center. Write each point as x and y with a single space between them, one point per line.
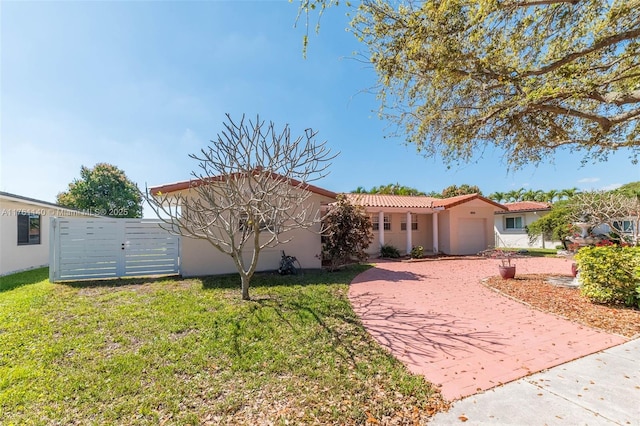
610 274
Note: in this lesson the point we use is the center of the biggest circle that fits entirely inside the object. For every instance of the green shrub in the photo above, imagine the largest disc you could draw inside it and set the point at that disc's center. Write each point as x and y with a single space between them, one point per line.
390 251
610 274
346 234
417 252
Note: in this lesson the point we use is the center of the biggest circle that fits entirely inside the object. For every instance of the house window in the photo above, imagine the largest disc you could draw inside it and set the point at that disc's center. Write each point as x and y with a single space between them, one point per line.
414 223
375 222
625 226
514 222
28 229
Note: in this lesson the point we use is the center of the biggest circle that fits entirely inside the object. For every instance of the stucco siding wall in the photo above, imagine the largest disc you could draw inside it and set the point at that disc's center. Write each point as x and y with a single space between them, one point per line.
14 257
200 258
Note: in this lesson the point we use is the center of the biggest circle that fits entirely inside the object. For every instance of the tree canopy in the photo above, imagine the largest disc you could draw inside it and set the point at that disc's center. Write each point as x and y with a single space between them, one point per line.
389 189
103 190
631 189
555 226
464 189
521 194
525 76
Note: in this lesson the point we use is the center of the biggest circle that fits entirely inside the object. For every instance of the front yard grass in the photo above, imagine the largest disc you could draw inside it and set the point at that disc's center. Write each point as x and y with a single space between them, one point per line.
189 351
536 252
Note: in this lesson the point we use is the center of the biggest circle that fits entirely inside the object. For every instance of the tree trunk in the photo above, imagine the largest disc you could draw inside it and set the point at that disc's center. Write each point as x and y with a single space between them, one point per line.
245 286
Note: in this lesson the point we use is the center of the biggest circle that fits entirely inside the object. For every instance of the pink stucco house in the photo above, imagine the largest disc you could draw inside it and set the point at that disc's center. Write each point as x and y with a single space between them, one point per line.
459 225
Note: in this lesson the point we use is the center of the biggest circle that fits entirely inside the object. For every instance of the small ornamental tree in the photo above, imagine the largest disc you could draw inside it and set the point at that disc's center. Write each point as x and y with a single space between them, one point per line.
555 226
347 233
251 188
607 208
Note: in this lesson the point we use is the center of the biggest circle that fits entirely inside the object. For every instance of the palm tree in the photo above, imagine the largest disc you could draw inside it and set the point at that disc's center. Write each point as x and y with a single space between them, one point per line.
529 195
551 194
514 195
498 197
389 189
568 193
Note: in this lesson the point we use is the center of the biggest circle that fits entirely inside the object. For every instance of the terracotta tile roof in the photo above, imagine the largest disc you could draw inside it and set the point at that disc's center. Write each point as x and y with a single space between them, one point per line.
461 199
391 201
413 202
528 206
186 184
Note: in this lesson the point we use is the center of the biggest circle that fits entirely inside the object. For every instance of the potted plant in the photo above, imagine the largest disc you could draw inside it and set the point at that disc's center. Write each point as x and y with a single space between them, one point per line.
506 269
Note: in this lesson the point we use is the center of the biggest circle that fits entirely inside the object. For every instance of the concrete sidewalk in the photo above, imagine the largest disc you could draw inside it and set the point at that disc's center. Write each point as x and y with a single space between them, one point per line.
599 389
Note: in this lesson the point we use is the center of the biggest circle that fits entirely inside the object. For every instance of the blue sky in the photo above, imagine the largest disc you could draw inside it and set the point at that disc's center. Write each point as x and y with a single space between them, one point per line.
142 84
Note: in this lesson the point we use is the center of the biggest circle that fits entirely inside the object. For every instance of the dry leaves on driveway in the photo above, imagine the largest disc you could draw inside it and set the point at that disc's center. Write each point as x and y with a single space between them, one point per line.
568 303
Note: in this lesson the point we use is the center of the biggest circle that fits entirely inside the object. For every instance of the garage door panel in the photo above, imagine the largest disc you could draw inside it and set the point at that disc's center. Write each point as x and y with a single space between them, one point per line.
472 236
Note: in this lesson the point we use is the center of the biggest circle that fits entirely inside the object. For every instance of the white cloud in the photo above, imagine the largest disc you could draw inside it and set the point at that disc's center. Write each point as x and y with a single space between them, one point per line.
588 180
611 187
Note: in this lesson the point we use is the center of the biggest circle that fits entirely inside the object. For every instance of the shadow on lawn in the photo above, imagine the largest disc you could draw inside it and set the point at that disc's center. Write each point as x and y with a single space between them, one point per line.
10 282
119 282
272 278
230 281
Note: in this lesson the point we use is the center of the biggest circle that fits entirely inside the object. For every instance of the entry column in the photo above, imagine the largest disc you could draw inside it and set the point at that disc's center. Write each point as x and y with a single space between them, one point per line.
409 229
381 227
435 233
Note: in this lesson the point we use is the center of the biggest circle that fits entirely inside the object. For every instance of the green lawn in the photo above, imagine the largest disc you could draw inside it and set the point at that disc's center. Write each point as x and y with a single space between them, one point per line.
536 252
189 351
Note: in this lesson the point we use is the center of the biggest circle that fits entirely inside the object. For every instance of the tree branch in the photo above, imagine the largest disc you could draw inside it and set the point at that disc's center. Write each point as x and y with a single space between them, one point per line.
606 42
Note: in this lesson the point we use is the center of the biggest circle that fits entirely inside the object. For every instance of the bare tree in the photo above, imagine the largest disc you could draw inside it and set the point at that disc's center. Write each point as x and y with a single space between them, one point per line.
251 187
607 208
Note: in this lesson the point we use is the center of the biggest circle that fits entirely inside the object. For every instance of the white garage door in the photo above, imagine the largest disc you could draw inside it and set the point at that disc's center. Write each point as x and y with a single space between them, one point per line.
472 237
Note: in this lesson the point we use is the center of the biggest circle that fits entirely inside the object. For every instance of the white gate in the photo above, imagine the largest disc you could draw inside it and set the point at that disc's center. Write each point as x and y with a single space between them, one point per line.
82 248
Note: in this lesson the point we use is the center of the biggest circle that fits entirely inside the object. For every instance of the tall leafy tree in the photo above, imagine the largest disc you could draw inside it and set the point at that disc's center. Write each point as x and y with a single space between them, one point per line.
528 77
464 189
104 190
389 189
631 189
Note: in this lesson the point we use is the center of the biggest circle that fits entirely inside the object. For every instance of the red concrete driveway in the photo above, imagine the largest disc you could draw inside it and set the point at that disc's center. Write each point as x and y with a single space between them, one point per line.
440 321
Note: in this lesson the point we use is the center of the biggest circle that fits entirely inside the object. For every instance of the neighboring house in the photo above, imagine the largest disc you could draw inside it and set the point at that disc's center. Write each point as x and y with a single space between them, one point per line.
511 225
459 225
628 227
199 257
24 231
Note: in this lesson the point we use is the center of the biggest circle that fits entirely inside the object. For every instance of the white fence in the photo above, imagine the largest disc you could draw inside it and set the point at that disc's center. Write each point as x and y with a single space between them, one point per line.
82 248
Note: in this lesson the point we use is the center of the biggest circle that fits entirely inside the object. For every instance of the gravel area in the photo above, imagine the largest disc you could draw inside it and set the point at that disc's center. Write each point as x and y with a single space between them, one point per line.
536 291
